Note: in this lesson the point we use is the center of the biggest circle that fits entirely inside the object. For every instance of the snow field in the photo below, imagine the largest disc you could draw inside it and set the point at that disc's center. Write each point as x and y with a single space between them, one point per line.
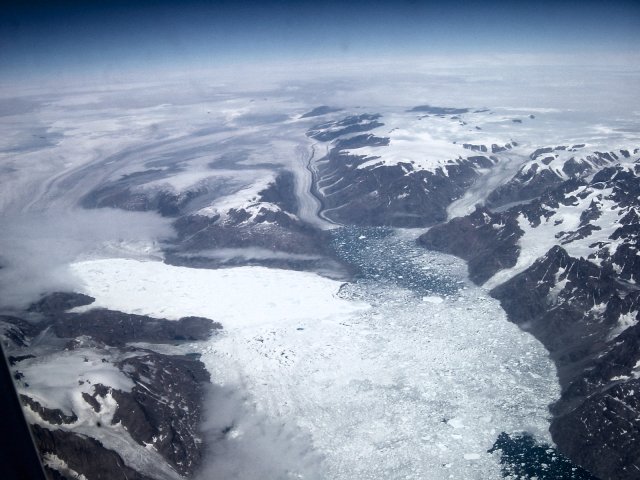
58 381
559 226
50 376
429 142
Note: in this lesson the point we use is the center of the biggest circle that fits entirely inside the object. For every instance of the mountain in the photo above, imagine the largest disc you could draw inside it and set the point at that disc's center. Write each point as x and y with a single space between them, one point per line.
99 406
382 178
557 244
545 213
563 261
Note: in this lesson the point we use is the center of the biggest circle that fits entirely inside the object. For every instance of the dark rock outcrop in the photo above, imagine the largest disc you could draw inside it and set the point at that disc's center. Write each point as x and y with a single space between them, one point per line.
84 455
488 242
54 416
117 328
60 301
393 195
281 193
125 197
16 332
164 407
529 185
326 132
318 111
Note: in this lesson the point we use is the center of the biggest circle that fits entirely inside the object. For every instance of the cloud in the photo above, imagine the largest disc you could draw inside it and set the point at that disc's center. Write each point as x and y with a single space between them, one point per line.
35 249
246 444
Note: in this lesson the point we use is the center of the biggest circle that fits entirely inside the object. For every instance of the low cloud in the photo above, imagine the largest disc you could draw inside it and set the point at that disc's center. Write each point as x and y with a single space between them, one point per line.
35 249
253 253
247 444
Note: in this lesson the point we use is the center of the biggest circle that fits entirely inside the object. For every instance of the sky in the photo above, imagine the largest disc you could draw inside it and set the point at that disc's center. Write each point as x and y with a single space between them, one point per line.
42 38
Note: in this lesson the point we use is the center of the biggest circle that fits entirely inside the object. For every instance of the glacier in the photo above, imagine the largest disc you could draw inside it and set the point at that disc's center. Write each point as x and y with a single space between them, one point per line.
372 379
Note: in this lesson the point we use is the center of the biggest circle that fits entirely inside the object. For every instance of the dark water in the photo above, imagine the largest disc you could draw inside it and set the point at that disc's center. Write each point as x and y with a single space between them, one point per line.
523 457
379 255
382 256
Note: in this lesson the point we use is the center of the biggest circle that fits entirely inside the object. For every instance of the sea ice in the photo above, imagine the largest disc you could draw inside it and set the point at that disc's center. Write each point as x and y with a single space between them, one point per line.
382 383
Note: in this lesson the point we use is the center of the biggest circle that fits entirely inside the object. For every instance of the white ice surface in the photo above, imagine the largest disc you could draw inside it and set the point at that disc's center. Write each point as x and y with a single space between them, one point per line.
556 229
54 462
183 181
49 378
243 198
246 198
385 384
58 381
624 321
489 179
427 142
236 297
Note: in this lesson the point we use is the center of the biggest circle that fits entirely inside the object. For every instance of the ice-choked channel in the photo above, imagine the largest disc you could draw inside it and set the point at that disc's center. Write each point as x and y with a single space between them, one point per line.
419 385
408 372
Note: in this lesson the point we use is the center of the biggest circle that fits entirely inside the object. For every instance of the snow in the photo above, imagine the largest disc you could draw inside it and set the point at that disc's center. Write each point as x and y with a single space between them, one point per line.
246 198
384 384
489 179
557 228
49 377
433 299
558 285
427 152
560 157
472 456
236 297
183 181
427 142
625 321
54 462
58 380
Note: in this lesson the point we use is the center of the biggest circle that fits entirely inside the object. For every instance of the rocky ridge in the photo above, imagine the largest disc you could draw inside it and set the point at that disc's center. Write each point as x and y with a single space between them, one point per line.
367 190
117 410
557 242
563 261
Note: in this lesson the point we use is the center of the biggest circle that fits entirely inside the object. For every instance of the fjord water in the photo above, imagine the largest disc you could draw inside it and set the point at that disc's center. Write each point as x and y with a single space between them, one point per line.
418 382
387 258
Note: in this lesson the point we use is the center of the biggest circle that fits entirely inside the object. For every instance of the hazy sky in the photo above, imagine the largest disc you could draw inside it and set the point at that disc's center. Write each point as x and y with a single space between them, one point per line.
39 38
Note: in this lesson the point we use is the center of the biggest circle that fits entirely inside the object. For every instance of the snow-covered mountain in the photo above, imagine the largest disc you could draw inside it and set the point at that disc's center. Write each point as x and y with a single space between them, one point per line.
402 169
164 325
99 404
556 242
564 263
